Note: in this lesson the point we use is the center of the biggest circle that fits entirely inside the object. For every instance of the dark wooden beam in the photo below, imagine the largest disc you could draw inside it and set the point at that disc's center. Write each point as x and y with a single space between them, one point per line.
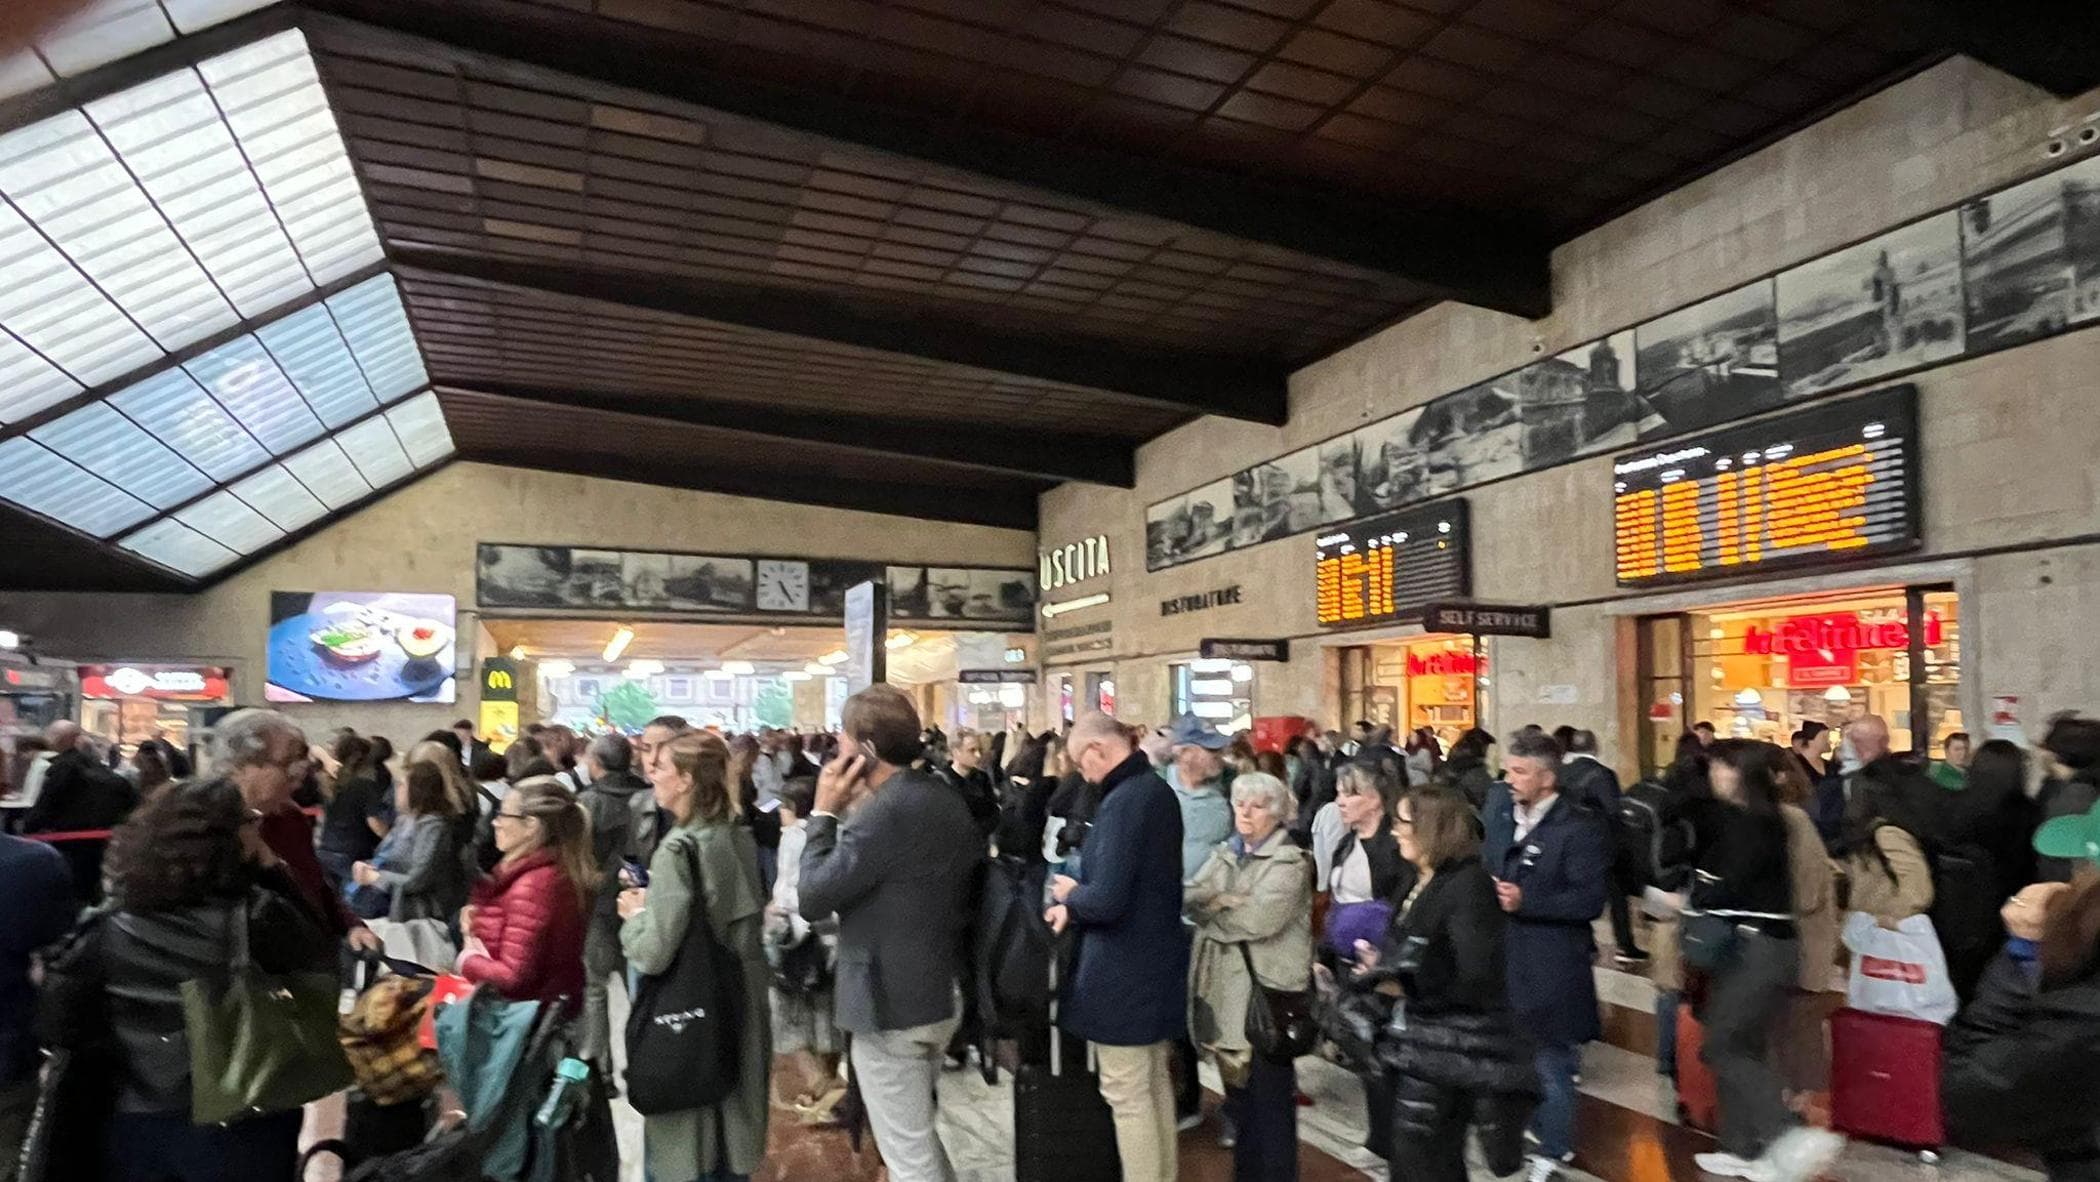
1092 459
1240 388
2053 44
1466 254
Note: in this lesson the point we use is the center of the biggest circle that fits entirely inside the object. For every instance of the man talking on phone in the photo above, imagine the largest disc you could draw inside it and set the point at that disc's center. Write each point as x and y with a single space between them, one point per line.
893 852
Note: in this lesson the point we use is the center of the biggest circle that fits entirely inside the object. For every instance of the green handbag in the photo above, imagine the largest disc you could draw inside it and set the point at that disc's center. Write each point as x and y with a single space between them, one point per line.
260 1043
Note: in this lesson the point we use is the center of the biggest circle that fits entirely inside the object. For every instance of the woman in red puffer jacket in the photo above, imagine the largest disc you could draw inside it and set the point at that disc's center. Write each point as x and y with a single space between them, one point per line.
525 923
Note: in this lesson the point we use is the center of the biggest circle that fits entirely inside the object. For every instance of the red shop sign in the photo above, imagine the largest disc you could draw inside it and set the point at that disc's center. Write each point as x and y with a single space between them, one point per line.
1824 649
159 683
1443 665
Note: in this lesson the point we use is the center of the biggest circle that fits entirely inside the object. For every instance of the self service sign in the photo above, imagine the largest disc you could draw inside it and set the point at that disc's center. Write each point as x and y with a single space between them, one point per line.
1821 485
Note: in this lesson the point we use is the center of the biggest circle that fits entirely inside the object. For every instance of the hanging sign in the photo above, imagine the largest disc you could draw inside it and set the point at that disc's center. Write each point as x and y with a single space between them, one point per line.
1245 650
996 676
1487 619
1820 485
499 680
157 682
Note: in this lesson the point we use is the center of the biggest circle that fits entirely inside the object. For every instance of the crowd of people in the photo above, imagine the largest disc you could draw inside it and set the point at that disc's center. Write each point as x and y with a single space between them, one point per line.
1424 914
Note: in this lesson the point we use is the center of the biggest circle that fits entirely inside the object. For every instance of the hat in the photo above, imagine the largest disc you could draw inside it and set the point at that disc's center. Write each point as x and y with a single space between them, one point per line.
1189 730
2075 836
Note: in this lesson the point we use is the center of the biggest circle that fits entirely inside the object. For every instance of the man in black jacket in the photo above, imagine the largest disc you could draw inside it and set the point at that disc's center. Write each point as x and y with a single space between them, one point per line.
79 794
609 800
1586 777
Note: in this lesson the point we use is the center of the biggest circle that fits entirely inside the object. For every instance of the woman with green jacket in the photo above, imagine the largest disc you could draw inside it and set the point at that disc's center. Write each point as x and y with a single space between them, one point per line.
724 1142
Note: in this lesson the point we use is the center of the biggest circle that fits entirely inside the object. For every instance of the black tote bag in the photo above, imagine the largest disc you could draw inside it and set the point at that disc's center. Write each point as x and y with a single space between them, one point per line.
685 1030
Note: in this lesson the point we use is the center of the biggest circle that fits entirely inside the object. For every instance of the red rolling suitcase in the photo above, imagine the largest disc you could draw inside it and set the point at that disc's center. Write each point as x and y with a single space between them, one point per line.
1698 1099
1885 1079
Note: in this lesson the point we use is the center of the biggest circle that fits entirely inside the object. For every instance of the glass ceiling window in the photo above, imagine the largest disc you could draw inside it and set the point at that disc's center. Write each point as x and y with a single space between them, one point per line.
151 219
106 30
159 215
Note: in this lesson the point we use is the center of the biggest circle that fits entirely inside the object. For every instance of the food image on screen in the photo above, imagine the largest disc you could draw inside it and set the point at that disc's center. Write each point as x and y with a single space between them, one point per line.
360 646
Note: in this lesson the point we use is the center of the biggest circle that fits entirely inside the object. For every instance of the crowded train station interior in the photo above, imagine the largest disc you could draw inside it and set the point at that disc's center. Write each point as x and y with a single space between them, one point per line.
1049 590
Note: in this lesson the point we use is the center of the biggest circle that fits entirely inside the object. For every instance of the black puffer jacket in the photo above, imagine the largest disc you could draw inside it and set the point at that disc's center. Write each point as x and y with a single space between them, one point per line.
116 988
2018 1067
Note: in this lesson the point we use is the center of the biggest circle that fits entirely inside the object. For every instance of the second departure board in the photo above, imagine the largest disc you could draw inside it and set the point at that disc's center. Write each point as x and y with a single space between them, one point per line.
1818 485
1381 569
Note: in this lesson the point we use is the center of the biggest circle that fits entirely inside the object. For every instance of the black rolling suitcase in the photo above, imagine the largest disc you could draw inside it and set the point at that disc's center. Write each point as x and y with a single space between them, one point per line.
1062 1128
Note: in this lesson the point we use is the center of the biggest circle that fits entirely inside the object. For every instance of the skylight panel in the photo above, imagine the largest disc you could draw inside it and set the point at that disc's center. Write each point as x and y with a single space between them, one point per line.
103 32
169 134
277 494
175 408
420 424
114 448
38 479
23 71
52 307
178 547
28 383
247 382
227 520
271 95
317 360
373 448
328 474
376 325
61 175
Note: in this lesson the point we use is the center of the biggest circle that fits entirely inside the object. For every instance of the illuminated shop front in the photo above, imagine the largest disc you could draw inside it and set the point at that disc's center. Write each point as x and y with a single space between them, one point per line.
1437 681
1218 691
128 704
1759 669
1815 488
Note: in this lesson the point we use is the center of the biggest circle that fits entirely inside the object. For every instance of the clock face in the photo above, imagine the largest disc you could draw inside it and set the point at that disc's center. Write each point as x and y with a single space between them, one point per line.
783 586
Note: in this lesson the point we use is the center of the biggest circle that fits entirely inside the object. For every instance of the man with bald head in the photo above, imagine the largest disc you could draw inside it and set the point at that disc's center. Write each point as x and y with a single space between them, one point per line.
1129 990
1875 778
78 793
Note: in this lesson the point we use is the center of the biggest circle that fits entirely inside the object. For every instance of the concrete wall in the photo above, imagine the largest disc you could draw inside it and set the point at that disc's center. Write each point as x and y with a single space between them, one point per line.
2008 439
423 539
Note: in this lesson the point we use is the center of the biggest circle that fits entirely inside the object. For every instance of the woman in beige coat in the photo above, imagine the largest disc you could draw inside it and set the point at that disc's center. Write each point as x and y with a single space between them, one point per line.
1252 902
1803 1051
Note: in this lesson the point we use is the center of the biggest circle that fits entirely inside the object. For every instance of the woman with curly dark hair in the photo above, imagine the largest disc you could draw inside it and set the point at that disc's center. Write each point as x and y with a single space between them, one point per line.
184 871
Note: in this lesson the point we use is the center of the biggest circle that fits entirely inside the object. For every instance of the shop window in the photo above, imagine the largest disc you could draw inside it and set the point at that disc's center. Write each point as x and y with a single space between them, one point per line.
1436 681
1220 693
1761 670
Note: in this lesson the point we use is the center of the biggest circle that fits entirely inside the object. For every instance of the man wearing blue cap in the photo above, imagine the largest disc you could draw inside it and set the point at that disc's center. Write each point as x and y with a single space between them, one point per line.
1201 789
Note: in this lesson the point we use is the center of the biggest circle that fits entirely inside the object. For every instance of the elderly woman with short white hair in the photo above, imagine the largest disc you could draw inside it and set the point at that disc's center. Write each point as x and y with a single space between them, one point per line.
1251 903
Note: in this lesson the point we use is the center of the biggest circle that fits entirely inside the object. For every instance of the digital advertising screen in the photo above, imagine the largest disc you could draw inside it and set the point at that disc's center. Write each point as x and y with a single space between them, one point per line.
1820 485
360 646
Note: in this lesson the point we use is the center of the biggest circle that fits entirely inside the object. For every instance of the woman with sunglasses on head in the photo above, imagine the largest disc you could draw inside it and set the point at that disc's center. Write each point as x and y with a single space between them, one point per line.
524 927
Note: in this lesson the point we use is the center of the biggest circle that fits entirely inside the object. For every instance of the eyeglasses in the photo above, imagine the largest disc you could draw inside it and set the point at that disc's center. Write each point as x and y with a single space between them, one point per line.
503 816
1405 822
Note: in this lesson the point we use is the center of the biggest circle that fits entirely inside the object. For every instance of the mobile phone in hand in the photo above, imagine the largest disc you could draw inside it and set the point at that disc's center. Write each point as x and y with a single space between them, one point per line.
634 874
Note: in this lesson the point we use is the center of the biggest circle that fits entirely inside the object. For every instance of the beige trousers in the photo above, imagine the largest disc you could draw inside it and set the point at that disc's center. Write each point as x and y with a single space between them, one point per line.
1139 1091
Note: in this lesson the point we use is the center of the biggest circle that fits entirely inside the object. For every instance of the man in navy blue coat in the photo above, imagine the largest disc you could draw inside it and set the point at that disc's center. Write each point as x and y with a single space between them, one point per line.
1129 990
1552 861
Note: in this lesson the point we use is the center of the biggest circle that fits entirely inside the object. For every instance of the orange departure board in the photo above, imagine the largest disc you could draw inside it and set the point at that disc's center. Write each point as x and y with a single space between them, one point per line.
1819 485
1384 568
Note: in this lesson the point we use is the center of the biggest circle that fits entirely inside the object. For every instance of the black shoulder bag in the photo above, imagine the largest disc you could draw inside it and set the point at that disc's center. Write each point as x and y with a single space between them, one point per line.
685 1031
1280 1022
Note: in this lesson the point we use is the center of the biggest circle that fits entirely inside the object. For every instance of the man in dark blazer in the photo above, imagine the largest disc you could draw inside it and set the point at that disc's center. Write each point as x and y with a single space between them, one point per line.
1129 993
895 854
1551 857
1586 777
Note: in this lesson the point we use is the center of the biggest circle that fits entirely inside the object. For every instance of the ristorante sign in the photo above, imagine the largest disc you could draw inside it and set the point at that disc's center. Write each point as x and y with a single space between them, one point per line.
163 684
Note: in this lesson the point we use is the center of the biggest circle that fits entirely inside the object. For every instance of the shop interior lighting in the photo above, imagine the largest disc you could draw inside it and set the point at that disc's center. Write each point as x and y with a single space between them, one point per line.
1211 709
1013 697
10 640
817 669
836 656
1243 673
796 675
516 653
897 640
1749 697
1211 665
718 674
1211 687
642 667
557 668
215 197
739 668
1837 693
622 637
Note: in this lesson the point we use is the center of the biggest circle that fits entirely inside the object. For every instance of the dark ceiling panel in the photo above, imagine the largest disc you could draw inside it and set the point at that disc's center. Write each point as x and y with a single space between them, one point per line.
593 442
43 556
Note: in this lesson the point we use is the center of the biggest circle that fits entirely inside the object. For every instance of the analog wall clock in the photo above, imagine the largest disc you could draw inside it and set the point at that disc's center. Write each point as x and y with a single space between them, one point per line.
783 585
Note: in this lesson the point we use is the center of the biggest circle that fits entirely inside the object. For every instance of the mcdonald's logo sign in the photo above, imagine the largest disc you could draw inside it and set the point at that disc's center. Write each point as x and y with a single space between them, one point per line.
499 680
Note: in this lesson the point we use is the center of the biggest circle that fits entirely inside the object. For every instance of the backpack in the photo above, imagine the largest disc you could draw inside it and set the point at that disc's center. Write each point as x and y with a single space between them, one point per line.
482 853
1010 945
1650 851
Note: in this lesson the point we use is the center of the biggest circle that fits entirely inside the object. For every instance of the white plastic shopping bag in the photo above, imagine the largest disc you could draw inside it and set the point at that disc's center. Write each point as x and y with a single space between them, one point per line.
1900 972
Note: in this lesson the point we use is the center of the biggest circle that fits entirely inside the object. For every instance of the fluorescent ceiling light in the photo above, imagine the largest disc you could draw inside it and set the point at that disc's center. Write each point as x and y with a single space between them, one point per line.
1211 709
38 479
621 638
557 668
1211 665
179 548
10 639
836 656
815 669
897 640
1053 610
739 668
718 674
517 652
796 675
